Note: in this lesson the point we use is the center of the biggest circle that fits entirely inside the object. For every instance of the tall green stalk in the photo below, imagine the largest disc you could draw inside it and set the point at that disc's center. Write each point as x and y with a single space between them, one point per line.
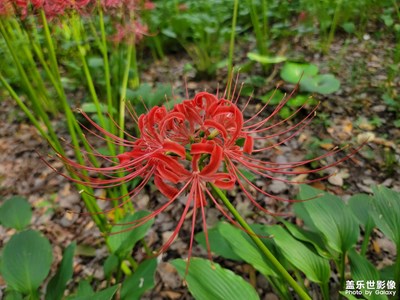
332 30
268 254
232 47
104 51
260 38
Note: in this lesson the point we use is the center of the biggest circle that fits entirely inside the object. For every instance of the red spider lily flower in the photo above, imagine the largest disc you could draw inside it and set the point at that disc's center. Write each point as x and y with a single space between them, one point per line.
199 142
6 8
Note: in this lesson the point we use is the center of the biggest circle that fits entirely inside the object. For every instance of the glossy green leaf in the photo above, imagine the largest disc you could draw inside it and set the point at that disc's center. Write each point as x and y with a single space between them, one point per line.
293 72
308 236
363 270
208 280
386 212
361 206
311 264
265 59
15 213
122 241
298 100
218 243
139 282
55 288
322 84
13 295
328 215
245 248
26 261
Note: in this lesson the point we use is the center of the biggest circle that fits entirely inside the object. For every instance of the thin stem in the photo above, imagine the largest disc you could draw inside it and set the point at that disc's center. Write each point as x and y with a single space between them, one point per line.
268 254
104 51
260 39
123 94
333 26
232 46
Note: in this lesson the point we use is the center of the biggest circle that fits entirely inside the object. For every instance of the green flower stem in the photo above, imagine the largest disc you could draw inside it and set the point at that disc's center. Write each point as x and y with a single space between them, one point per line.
265 17
74 130
104 51
232 46
260 39
268 254
332 30
19 33
30 89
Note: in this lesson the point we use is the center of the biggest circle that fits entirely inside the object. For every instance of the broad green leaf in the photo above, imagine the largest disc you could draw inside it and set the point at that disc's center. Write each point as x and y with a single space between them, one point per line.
55 288
245 249
293 72
322 84
308 236
265 59
15 213
122 241
110 265
139 282
363 270
298 100
26 261
361 206
312 265
328 215
208 280
13 295
218 243
387 272
386 212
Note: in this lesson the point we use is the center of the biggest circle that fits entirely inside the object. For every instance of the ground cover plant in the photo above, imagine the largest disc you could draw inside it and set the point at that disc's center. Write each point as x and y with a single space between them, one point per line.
199 149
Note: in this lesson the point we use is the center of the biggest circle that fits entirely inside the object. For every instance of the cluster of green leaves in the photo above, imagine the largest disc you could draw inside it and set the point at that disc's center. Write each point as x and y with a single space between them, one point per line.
309 81
328 241
27 257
